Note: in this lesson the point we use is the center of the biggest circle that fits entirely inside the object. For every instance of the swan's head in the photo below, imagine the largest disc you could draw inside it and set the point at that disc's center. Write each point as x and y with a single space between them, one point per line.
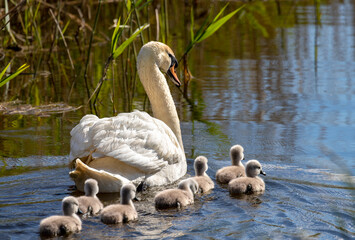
253 168
236 154
162 56
70 206
91 188
200 165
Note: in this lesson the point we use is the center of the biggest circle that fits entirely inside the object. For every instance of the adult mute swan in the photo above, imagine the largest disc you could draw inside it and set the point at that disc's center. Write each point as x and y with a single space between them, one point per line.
134 147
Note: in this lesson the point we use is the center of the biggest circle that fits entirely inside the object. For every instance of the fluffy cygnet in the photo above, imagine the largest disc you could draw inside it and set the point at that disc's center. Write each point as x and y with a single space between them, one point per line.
249 184
123 212
205 183
90 204
177 198
225 174
62 225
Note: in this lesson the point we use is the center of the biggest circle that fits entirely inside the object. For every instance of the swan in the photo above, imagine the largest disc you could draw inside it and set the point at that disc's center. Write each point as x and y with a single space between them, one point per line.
249 184
205 183
134 147
62 225
226 174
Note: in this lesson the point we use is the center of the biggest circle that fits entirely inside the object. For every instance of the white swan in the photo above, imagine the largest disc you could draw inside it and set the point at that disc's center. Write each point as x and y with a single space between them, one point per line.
134 146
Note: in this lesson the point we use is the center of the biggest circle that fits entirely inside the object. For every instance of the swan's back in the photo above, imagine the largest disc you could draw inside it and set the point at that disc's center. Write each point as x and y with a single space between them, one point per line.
136 139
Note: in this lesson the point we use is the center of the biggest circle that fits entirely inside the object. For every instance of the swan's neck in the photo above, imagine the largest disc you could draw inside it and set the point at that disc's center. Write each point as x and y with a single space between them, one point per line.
160 97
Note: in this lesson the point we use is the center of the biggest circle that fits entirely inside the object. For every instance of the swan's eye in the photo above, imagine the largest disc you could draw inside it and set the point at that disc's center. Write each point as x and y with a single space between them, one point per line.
173 61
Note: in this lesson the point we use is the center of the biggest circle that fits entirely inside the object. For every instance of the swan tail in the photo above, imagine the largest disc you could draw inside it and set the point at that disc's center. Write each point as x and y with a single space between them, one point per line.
107 182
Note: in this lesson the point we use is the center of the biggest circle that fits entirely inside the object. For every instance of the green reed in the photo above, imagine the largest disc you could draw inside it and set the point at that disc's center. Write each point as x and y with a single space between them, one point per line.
207 29
5 80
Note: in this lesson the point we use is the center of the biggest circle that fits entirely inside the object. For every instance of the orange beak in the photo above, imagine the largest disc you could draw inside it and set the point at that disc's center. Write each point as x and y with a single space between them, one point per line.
171 73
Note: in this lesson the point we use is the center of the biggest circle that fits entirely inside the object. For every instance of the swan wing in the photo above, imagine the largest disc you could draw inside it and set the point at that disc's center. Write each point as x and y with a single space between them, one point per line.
136 139
80 143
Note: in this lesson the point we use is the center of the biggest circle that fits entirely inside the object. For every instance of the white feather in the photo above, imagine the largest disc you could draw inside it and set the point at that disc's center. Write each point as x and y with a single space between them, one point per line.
136 139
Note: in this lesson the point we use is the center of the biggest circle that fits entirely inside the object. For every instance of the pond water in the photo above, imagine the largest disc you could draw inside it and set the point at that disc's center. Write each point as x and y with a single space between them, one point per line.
288 99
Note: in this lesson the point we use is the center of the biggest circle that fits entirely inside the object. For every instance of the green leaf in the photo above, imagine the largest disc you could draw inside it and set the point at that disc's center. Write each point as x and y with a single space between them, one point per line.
214 26
3 71
117 33
128 5
118 51
65 27
220 12
8 78
114 38
197 35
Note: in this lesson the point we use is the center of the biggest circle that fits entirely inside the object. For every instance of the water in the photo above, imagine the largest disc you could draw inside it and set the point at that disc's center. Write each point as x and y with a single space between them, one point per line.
287 99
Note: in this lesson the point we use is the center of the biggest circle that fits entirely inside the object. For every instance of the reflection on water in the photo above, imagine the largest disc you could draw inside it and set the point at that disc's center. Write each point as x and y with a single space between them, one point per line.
288 99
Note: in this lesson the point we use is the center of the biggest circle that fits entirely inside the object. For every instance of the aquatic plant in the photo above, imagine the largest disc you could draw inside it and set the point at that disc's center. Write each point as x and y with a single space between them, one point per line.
206 30
116 48
12 75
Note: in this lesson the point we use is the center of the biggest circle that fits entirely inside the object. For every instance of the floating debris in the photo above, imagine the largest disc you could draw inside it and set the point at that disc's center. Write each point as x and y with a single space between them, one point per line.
20 108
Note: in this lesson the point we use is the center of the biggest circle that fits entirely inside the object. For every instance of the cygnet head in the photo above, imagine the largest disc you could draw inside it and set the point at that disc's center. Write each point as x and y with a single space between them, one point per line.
162 56
189 183
91 187
70 206
200 165
237 154
253 168
128 192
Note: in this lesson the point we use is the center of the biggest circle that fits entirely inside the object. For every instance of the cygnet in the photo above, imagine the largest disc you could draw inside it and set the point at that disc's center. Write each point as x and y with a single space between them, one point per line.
177 198
90 204
123 212
225 174
249 184
205 183
62 225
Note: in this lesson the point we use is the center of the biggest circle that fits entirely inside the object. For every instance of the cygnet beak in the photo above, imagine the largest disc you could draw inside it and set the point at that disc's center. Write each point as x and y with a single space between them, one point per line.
79 211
